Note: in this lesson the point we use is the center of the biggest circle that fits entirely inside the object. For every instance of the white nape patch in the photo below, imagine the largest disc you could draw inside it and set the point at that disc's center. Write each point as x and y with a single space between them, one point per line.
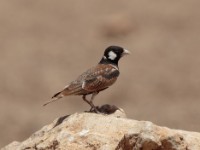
104 57
112 55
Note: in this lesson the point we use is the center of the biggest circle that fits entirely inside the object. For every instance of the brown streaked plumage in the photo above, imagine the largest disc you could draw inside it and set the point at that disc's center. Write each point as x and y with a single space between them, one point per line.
95 79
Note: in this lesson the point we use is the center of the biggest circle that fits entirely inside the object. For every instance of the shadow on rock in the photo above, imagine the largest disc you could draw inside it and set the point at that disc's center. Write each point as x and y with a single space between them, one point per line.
105 109
60 120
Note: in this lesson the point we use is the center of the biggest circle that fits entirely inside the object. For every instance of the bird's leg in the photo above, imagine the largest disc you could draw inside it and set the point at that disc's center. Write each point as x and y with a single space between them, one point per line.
90 102
84 98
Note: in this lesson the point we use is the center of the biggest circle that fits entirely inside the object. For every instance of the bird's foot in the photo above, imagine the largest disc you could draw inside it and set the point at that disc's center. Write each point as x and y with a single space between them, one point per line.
104 109
94 109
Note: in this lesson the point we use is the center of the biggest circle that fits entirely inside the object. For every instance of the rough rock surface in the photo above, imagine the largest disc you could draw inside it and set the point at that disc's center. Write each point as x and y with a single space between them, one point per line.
90 131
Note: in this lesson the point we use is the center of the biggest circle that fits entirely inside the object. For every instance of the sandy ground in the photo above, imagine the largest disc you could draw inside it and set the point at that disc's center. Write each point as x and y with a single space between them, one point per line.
46 44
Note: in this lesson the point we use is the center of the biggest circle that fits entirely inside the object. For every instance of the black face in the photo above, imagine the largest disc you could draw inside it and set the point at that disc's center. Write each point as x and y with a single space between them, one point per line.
112 55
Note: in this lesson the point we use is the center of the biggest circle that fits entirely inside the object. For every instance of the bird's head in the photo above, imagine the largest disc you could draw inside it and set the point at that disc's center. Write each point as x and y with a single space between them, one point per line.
113 54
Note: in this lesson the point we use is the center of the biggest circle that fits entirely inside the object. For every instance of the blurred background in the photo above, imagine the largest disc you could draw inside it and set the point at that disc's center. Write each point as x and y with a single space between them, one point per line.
46 44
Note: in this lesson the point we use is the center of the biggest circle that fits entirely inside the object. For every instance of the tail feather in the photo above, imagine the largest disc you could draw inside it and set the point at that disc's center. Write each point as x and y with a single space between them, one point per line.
56 95
54 98
74 91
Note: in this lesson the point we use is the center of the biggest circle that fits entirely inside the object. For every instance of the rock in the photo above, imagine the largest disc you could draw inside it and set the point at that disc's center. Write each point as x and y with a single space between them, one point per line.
90 131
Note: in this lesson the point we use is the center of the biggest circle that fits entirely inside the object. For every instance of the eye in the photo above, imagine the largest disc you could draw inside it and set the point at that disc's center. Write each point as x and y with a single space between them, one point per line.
115 52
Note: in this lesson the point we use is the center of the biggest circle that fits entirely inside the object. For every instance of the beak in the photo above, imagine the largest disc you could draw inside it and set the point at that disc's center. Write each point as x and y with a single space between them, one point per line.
126 52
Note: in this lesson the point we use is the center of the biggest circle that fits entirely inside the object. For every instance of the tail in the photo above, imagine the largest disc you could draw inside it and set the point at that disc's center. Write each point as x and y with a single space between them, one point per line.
54 98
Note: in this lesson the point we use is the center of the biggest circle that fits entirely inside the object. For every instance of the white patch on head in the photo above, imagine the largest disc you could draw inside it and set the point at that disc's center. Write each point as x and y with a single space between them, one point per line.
112 55
104 57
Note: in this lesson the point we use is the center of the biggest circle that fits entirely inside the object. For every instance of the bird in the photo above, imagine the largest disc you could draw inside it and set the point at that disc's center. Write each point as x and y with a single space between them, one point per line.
95 79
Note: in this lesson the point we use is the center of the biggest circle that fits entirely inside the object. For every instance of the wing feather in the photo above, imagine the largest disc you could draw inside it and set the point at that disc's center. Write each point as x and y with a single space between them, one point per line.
102 78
